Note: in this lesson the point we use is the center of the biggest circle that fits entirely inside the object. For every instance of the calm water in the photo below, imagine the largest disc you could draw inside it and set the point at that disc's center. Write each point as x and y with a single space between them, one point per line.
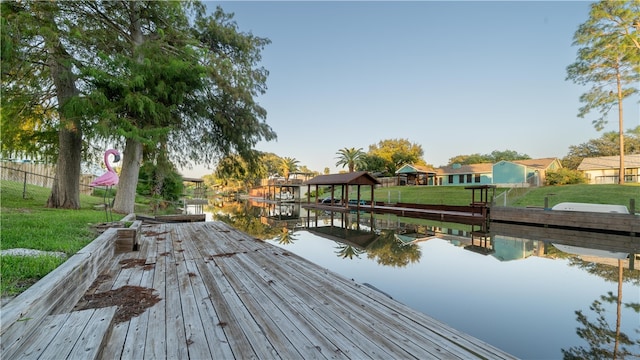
518 293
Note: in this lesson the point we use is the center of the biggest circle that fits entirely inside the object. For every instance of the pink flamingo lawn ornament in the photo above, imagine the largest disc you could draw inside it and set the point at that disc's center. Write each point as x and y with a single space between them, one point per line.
108 179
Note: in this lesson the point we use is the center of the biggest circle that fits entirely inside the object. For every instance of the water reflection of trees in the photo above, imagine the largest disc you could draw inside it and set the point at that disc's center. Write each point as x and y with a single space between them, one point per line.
389 251
347 251
286 236
247 219
607 272
604 341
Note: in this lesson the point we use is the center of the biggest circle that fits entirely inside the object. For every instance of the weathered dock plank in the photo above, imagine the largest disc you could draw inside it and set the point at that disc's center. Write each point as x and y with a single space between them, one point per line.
155 346
341 325
216 338
136 334
75 335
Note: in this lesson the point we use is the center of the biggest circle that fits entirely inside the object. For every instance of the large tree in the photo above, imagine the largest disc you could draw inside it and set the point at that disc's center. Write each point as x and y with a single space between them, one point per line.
609 60
397 152
352 158
39 89
376 164
150 76
28 118
233 169
494 157
175 87
606 145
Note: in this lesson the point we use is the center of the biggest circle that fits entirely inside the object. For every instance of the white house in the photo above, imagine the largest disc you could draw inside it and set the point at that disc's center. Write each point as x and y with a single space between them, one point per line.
606 169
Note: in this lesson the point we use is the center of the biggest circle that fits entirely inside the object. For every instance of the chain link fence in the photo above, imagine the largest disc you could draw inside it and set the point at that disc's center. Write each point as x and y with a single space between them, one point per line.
507 198
19 175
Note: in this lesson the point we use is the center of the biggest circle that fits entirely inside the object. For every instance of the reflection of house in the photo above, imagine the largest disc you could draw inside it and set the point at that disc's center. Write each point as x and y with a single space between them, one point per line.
413 238
530 172
511 248
606 169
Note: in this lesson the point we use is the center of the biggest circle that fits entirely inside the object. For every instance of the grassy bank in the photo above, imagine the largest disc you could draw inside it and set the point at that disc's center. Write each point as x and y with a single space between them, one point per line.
26 223
595 194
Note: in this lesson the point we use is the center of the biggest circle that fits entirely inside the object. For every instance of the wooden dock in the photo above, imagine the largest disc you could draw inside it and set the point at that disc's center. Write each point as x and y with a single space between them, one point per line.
610 223
223 294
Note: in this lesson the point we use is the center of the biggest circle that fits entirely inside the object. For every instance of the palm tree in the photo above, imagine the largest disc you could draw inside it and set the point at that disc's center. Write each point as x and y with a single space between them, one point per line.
287 237
288 166
347 251
350 158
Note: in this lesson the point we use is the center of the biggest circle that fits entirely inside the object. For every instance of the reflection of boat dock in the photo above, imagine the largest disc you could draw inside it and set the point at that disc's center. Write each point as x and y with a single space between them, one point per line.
224 294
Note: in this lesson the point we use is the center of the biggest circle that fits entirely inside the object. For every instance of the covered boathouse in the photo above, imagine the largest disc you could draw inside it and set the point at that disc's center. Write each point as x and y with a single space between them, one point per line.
358 179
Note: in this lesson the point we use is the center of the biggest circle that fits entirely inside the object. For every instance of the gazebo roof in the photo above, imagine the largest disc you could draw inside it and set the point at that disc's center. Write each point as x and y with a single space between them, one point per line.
354 178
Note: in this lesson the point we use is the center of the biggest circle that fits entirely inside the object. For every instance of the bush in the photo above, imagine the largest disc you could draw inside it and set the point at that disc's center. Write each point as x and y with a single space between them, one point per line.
172 187
565 176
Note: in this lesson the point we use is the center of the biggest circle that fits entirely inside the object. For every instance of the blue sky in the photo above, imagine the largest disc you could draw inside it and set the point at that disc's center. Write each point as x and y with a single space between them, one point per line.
455 77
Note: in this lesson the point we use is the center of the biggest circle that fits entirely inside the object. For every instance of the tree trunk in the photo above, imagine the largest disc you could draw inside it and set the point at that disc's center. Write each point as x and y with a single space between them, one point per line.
126 195
124 202
618 308
621 129
65 192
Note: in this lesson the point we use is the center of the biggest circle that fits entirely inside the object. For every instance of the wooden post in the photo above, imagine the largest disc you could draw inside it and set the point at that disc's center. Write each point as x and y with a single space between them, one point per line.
546 203
632 206
24 186
373 200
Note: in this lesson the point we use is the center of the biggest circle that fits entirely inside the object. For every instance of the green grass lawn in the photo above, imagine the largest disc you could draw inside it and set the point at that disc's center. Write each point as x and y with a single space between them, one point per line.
27 223
596 194
457 195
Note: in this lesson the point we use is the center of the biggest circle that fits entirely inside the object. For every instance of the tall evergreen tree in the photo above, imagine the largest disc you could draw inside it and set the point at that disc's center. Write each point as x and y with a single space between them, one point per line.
39 88
609 60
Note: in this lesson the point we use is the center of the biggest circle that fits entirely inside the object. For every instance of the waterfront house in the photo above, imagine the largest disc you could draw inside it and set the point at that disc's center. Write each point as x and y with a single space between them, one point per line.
473 174
606 169
531 172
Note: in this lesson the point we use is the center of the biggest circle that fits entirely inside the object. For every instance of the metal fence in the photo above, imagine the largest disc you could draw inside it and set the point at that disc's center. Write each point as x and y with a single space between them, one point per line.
23 174
507 198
